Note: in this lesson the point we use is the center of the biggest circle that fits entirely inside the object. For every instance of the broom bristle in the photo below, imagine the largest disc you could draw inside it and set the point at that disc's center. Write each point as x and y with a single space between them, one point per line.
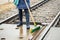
35 29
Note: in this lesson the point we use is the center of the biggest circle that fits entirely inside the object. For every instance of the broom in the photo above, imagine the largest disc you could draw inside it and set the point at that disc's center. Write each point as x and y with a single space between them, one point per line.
35 25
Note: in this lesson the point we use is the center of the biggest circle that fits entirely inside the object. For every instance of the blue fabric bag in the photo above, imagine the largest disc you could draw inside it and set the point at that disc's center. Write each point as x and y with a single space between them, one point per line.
21 4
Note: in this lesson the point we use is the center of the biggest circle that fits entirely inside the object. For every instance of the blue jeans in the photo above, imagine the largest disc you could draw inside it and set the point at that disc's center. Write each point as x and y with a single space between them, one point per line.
26 15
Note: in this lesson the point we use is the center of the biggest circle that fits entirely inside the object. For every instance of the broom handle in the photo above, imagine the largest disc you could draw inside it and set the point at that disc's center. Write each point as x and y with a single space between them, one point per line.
30 13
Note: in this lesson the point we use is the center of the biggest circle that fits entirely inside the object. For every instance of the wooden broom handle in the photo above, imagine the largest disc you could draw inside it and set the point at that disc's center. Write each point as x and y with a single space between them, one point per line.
30 13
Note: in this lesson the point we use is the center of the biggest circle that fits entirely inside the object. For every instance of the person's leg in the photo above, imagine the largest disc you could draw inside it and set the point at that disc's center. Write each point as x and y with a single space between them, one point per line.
20 27
20 18
27 18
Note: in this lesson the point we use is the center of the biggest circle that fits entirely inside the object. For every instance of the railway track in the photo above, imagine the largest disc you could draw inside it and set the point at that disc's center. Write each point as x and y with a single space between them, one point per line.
44 31
54 23
15 18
